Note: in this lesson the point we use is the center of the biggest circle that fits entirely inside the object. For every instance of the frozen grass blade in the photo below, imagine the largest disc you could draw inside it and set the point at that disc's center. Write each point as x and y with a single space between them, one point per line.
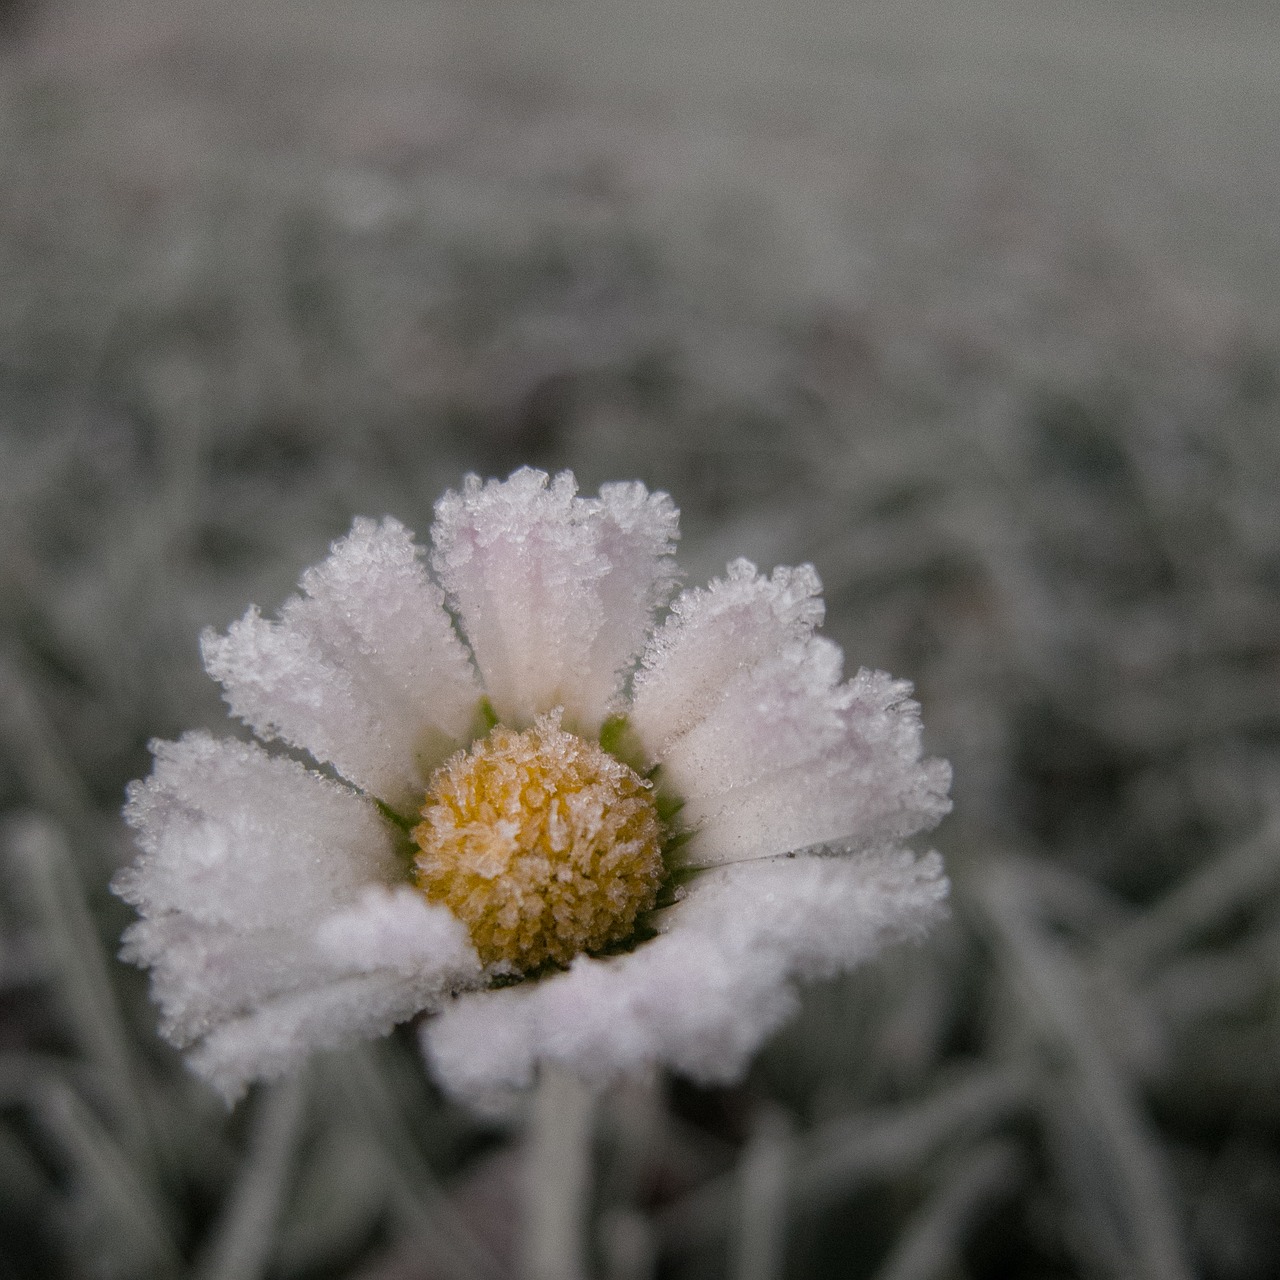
1236 880
842 1155
132 1225
23 1184
70 939
626 1244
1051 991
339 1195
34 751
933 1237
243 1241
413 1189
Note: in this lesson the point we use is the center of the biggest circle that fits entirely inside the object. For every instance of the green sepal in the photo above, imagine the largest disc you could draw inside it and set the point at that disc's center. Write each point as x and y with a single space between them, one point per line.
396 819
485 719
667 805
619 739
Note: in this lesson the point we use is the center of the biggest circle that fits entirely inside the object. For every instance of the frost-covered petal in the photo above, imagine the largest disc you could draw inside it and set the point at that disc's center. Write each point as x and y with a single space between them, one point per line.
203 975
637 531
399 930
280 1034
263 886
383 959
792 757
364 670
702 996
711 636
555 592
229 834
744 708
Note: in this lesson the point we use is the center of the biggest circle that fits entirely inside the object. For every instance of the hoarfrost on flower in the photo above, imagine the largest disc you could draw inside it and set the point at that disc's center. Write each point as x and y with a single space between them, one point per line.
565 833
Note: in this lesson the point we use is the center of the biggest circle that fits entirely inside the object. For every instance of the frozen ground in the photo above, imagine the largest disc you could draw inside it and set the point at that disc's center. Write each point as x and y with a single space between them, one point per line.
973 305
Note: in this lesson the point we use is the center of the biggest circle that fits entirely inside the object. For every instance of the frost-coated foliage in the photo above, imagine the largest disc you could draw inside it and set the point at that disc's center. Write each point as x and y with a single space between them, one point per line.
976 314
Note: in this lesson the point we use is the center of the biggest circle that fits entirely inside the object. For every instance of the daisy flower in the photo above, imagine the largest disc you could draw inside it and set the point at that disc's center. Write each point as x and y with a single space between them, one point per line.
564 833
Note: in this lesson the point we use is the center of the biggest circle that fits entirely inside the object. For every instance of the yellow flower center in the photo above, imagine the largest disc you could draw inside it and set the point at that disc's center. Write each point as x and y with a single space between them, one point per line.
541 843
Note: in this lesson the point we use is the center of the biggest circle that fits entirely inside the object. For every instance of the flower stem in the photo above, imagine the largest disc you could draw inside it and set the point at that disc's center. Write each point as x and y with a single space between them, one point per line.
558 1177
764 1179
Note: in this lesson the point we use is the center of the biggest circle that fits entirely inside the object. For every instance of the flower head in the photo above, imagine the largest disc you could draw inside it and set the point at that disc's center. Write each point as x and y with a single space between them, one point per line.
565 833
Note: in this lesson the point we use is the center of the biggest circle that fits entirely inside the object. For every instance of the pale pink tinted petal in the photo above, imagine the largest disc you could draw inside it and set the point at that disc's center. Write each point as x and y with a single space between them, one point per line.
202 975
398 929
637 532
224 990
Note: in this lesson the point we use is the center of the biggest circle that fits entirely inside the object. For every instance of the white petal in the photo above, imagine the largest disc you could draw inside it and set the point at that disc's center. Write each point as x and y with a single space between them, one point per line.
398 929
364 969
824 913
712 635
232 835
704 995
792 758
204 975
280 1035
555 592
384 958
637 532
364 670
743 707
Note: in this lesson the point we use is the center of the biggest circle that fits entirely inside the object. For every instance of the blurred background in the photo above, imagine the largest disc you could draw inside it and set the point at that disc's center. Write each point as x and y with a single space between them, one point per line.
971 303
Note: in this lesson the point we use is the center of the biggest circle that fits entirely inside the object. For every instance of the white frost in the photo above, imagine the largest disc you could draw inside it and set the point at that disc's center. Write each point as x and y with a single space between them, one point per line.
275 912
364 670
555 592
713 634
260 887
703 995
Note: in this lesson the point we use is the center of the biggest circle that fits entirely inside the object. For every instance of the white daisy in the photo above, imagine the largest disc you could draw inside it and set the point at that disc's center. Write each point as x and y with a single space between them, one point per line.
567 835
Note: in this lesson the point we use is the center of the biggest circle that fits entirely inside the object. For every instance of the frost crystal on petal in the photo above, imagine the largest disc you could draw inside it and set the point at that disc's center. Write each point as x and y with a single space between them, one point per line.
712 634
555 592
364 670
792 758
743 707
259 884
398 929
278 1035
705 994
278 907
232 835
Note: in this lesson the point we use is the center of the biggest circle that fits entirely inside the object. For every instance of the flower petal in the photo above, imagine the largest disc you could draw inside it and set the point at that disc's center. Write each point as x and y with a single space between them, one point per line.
743 706
216 984
279 1035
555 592
203 975
703 996
399 930
229 834
792 758
364 670
712 635
385 959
